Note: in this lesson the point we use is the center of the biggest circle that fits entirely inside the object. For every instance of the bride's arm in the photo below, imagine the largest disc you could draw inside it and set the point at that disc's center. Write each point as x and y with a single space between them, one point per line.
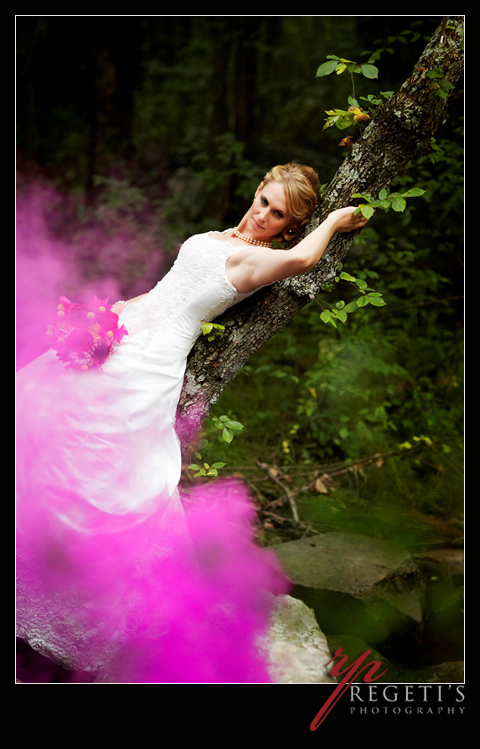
251 268
119 306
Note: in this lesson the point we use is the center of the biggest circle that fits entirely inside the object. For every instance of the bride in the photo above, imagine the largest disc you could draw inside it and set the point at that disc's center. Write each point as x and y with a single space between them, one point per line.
120 574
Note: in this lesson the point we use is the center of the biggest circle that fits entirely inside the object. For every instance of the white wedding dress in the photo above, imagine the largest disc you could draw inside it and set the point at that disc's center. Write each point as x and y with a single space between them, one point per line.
109 563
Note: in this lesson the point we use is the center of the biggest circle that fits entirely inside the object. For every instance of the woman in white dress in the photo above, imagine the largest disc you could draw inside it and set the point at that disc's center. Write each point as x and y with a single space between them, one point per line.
113 578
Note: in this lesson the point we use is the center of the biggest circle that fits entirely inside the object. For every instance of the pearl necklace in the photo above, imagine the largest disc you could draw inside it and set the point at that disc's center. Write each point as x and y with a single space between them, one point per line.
250 240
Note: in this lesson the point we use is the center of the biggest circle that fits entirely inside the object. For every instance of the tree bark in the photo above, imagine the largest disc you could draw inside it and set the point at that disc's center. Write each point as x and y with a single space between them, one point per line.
400 131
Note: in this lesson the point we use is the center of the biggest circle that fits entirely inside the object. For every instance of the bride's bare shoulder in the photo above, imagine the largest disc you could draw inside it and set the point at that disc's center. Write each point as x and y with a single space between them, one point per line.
220 235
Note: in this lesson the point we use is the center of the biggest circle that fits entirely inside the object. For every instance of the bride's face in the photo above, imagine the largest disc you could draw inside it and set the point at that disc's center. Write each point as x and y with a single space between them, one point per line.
269 214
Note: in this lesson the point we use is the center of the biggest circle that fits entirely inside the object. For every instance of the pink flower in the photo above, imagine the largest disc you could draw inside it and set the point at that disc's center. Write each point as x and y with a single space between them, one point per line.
79 340
108 320
101 352
83 335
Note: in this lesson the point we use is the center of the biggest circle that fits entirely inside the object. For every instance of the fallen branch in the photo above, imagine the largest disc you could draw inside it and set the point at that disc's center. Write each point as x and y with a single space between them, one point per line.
273 476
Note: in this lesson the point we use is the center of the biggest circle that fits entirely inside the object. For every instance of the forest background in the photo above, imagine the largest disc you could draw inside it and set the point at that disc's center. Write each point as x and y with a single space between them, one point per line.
135 132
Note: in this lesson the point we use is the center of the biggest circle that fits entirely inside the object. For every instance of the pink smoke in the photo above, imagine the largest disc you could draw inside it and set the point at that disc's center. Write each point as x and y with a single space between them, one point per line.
211 616
186 608
197 617
46 268
60 252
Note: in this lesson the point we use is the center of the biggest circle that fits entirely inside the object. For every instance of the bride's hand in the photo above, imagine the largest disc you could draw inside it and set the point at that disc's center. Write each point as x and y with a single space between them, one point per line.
345 220
118 307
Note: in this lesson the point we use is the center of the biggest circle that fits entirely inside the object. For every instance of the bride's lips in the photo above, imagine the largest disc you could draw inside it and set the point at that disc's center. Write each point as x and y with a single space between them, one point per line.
257 226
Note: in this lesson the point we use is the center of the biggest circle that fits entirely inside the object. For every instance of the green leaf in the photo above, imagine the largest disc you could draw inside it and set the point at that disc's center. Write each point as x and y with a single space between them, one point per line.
369 71
343 122
363 431
399 204
377 301
367 211
234 425
347 277
227 435
207 328
363 301
415 192
326 68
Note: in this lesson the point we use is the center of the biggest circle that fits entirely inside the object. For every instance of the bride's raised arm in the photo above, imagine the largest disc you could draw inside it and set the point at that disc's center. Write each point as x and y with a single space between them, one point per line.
253 267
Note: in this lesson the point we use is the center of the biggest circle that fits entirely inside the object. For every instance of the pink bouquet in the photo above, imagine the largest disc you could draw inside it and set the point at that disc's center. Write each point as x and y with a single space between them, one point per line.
83 335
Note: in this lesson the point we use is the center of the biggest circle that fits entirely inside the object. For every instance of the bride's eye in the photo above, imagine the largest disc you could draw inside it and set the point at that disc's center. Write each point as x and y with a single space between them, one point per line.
264 202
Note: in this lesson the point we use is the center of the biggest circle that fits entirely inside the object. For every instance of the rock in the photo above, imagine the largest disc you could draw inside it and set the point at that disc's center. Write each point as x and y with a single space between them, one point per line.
356 585
451 559
296 648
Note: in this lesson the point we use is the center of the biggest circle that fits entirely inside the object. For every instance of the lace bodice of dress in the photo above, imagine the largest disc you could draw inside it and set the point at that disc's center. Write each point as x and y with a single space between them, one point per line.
199 267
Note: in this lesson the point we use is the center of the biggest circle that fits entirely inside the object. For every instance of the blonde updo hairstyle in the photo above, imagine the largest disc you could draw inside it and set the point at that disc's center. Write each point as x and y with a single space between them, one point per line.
302 188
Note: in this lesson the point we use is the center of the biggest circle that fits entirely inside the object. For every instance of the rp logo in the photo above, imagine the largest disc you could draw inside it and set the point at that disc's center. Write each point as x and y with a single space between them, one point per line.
351 674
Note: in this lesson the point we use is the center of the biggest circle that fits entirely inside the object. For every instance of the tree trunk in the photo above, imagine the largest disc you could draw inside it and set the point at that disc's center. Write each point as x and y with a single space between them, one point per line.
400 130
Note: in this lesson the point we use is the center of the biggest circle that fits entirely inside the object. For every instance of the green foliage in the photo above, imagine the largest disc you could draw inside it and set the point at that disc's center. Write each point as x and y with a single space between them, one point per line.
204 469
339 65
227 426
395 200
212 330
441 86
354 115
344 119
340 311
119 194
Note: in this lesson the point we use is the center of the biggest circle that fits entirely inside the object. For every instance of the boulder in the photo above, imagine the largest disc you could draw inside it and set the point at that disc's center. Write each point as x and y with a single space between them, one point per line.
356 585
295 648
